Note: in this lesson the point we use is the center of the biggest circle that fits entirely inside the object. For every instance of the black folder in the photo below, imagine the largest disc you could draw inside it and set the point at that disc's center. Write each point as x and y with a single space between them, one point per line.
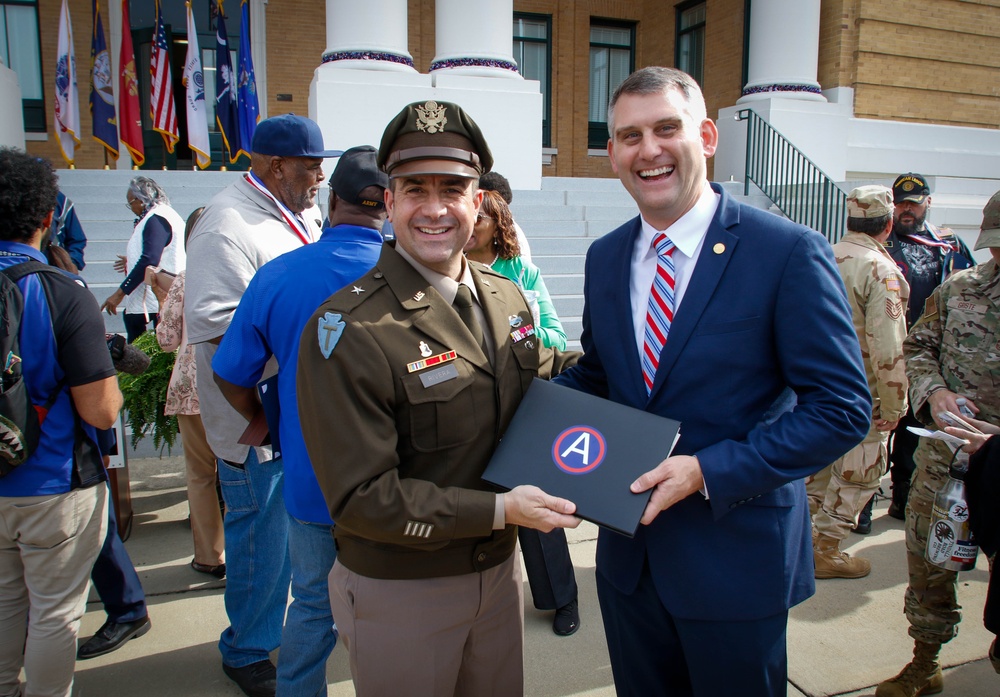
585 449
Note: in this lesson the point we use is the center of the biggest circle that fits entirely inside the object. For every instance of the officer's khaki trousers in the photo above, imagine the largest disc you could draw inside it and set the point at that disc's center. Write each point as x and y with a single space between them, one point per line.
436 637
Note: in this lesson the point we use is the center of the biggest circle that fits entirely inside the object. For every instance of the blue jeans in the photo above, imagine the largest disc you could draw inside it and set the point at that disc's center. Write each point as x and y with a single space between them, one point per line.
257 566
309 635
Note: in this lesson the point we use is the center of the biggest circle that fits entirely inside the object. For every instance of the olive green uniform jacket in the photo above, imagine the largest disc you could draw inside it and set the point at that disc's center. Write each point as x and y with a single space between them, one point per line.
399 449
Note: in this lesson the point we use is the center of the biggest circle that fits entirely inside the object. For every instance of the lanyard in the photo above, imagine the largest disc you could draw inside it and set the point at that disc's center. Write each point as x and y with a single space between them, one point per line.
297 225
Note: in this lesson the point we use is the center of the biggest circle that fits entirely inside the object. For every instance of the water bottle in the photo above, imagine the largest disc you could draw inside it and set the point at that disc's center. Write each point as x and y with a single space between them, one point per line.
949 538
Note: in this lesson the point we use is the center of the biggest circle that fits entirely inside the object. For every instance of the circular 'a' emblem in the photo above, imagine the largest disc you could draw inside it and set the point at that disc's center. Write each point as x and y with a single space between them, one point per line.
579 450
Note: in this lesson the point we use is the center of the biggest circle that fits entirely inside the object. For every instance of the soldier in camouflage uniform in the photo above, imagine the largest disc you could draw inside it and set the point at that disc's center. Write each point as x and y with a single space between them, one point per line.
951 352
878 294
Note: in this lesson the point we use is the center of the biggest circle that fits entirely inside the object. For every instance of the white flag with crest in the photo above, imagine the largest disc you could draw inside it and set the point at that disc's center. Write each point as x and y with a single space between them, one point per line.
67 95
197 111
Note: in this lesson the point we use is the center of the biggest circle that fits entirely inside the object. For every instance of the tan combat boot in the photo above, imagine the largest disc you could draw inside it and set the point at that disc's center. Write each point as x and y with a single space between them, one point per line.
830 562
922 676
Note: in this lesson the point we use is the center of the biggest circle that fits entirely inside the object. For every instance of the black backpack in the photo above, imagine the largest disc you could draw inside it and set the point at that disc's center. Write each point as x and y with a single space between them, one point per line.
20 419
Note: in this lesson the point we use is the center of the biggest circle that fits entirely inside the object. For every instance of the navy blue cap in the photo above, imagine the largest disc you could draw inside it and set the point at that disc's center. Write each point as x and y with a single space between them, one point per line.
289 135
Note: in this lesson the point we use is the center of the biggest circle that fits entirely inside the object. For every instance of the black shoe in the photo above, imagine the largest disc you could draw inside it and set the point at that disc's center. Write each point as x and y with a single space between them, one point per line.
258 679
896 511
111 636
567 619
217 571
864 525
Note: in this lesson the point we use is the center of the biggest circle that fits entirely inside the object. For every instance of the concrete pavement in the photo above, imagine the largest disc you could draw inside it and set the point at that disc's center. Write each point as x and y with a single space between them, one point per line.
843 641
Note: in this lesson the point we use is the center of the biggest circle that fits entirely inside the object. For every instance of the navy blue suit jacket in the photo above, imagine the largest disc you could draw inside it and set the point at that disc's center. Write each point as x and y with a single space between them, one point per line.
765 310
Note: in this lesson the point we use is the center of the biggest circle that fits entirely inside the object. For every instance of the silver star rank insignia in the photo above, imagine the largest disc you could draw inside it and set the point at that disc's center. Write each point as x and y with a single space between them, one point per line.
357 290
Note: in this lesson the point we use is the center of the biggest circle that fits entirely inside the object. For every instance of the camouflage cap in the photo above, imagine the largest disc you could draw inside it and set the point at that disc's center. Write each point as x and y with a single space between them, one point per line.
989 231
434 138
873 201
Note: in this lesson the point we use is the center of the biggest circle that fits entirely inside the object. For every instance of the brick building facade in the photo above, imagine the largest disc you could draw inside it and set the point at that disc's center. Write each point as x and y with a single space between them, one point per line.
929 61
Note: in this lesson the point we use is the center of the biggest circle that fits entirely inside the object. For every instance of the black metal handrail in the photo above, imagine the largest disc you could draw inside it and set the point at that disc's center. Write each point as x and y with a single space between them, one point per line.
800 189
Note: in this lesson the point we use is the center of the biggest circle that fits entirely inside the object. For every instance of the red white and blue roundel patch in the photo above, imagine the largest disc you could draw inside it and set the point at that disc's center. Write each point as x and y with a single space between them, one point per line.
579 450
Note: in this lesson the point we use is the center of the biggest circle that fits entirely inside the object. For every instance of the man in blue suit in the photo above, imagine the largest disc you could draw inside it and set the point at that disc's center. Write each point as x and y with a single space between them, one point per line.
762 367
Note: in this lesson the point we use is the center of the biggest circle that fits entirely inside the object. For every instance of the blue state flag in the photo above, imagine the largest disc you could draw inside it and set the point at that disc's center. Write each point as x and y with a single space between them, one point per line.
102 95
248 110
225 93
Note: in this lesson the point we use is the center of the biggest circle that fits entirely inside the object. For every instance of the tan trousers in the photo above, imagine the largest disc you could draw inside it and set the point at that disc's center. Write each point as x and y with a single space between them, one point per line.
838 493
48 545
206 519
434 637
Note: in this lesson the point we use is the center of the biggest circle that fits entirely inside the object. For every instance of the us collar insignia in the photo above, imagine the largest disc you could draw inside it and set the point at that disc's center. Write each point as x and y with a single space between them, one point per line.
431 118
418 296
432 361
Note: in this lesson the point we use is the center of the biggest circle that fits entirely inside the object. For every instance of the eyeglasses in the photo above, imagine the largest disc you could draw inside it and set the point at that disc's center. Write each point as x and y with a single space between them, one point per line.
480 218
129 204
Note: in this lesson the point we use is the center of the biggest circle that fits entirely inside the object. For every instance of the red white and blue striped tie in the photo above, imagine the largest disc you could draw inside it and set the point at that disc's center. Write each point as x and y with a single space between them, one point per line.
660 313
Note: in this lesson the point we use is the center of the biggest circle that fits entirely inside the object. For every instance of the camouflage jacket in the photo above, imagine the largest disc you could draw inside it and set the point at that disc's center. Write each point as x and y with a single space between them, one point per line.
956 346
878 294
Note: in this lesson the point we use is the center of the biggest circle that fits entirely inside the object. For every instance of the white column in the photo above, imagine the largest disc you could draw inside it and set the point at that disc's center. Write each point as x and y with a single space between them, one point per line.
784 50
258 51
367 35
474 37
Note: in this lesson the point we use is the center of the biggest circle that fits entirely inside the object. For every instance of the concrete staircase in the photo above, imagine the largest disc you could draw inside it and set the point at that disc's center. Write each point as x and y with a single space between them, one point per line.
561 220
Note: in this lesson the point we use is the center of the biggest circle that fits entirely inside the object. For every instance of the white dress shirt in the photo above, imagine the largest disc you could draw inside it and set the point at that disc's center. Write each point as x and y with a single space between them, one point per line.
688 235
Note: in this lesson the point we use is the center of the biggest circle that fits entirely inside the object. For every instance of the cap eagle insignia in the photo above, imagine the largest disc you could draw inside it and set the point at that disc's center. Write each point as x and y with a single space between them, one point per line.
431 118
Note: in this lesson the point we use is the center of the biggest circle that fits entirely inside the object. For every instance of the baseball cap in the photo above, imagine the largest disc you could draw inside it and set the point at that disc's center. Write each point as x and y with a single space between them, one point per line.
289 135
873 201
989 231
910 187
434 138
356 170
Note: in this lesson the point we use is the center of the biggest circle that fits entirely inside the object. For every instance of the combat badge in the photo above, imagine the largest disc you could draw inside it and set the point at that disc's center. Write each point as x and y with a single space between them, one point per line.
515 321
425 350
331 328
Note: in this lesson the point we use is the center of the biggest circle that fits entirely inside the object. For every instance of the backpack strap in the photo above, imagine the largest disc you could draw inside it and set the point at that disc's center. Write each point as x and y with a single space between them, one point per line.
18 271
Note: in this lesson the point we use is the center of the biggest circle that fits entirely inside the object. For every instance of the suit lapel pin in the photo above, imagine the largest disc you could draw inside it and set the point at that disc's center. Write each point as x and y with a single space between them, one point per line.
719 248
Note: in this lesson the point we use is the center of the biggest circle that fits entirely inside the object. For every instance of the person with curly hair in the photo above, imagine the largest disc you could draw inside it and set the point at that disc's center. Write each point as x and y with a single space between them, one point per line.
546 555
494 243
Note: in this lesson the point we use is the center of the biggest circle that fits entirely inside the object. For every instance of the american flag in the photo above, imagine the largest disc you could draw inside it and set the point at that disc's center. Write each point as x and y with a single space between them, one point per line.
162 103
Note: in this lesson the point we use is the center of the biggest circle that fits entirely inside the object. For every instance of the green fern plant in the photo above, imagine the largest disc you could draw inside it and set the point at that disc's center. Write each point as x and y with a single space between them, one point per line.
146 396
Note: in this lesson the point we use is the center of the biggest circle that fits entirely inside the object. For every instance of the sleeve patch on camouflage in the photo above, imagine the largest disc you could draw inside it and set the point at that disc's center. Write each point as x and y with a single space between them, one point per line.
893 308
417 529
892 284
930 307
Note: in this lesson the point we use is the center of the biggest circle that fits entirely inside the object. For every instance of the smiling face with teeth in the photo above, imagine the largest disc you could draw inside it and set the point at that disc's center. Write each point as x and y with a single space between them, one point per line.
659 146
432 216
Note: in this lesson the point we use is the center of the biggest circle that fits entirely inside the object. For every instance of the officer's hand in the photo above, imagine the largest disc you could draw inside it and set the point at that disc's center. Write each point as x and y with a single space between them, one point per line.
674 479
531 507
945 400
884 426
